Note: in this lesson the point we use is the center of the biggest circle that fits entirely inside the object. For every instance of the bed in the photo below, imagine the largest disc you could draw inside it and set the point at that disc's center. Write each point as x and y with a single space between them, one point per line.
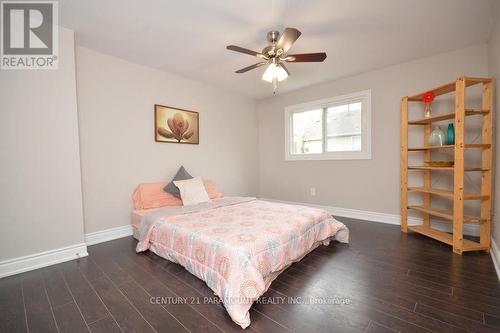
137 215
237 245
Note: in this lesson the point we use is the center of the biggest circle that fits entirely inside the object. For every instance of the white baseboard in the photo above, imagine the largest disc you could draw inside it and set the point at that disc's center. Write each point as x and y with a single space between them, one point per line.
108 234
472 230
42 259
52 257
495 256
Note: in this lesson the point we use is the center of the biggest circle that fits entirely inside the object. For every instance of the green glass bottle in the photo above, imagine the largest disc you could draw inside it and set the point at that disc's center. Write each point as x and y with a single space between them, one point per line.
450 137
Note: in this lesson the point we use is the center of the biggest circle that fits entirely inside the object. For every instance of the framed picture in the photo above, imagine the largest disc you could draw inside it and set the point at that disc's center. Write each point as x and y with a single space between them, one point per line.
176 125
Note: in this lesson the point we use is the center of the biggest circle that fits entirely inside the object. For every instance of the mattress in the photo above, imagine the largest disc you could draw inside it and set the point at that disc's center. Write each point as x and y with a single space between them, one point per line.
137 215
238 246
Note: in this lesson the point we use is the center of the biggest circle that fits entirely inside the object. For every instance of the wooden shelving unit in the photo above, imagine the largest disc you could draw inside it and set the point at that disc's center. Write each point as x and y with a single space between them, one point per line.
456 194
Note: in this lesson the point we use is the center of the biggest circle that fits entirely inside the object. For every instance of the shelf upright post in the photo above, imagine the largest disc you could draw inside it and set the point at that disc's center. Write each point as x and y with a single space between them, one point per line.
404 164
458 183
486 164
427 175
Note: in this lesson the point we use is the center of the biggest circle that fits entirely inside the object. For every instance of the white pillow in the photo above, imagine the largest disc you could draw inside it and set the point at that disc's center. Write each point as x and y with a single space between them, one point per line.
192 191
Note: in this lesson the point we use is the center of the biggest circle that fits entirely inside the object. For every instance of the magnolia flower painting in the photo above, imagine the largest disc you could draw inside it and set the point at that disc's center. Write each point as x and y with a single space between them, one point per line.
176 125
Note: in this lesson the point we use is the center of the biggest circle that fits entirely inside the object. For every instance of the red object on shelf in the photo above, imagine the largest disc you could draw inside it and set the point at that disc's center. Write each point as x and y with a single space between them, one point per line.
428 97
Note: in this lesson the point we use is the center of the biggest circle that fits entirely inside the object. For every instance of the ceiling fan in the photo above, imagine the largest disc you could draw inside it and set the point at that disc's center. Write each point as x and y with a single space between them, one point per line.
275 55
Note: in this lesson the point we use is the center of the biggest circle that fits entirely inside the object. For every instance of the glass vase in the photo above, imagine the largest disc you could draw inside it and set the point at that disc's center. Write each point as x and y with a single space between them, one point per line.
427 110
437 137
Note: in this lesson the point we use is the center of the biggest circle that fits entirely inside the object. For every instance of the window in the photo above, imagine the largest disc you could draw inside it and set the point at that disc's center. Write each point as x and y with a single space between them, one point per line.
334 128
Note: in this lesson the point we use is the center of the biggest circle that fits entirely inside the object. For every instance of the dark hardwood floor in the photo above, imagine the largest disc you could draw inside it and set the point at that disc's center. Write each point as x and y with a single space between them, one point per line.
388 282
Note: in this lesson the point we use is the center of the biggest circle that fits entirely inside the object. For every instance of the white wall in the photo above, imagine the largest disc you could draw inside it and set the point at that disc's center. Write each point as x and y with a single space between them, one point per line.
115 107
494 67
370 185
40 187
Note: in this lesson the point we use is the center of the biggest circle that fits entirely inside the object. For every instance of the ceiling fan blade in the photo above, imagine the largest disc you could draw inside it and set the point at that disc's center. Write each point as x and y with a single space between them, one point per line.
246 69
306 57
290 35
243 50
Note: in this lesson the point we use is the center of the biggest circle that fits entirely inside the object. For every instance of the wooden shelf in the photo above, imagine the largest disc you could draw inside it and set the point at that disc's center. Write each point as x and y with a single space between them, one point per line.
447 238
456 217
468 145
445 116
432 233
449 87
446 193
423 167
445 214
473 246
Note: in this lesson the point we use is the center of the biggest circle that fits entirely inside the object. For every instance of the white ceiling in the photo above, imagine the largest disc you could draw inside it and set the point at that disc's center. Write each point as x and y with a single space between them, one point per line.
188 37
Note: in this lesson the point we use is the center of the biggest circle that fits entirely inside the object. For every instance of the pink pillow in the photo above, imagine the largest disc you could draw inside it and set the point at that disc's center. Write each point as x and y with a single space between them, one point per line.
151 195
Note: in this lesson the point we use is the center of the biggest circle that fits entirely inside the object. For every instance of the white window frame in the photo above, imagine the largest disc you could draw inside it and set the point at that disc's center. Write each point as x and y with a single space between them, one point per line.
366 124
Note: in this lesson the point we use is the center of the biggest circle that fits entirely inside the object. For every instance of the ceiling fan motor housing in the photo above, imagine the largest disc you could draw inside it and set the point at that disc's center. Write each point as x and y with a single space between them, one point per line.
270 50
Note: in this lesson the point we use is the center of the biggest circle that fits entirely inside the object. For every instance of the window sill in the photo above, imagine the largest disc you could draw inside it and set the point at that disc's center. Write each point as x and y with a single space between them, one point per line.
330 156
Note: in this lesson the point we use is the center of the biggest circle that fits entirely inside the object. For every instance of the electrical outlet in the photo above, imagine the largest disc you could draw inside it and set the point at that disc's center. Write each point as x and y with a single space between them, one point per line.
312 191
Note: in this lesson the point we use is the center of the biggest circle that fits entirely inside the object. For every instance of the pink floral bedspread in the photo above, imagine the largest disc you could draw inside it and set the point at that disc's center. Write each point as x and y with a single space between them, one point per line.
239 249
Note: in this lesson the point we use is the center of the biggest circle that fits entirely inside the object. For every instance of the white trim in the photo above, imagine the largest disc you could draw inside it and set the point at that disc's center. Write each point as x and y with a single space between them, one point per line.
52 257
366 133
108 234
341 155
42 259
395 219
495 256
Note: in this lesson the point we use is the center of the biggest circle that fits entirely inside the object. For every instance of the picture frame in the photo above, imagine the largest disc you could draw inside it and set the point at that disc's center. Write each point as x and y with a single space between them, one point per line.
174 125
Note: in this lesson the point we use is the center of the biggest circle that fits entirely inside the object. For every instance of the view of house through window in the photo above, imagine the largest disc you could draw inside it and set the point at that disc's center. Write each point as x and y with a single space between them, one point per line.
329 128
343 127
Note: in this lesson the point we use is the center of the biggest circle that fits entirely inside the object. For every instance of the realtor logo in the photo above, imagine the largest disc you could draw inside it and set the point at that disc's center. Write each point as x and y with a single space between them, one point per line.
29 35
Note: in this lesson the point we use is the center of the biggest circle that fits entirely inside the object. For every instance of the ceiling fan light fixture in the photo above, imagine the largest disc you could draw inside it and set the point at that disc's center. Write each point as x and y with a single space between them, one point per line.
274 71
